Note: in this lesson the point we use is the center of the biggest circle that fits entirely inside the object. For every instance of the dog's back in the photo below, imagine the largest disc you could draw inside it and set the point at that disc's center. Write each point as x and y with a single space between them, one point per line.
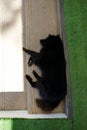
53 68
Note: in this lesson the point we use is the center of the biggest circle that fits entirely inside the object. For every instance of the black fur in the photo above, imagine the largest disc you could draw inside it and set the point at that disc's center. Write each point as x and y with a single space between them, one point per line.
51 61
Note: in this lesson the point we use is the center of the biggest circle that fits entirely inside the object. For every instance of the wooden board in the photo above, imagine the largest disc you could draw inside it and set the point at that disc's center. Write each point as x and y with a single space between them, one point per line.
12 91
41 18
24 23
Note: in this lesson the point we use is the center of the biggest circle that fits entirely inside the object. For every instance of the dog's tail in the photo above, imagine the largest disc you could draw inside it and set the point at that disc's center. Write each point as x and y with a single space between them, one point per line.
45 106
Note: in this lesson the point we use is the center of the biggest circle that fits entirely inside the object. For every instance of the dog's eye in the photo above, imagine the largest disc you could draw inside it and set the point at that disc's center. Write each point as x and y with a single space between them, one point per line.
30 62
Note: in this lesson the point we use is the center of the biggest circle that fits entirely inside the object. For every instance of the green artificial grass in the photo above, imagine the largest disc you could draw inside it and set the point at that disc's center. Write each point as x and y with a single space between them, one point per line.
75 15
76 31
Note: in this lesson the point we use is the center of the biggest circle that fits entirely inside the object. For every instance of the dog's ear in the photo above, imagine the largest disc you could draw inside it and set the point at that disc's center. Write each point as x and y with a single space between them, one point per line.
58 35
59 38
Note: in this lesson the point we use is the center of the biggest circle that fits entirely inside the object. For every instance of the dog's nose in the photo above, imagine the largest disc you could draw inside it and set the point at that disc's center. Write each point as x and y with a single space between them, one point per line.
42 42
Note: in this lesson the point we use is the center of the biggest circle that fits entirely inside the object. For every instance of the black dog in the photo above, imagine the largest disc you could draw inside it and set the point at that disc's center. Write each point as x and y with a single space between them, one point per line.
51 61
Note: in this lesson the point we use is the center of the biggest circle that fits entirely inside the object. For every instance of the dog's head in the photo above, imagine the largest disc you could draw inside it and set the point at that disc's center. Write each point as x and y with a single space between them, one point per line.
50 41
